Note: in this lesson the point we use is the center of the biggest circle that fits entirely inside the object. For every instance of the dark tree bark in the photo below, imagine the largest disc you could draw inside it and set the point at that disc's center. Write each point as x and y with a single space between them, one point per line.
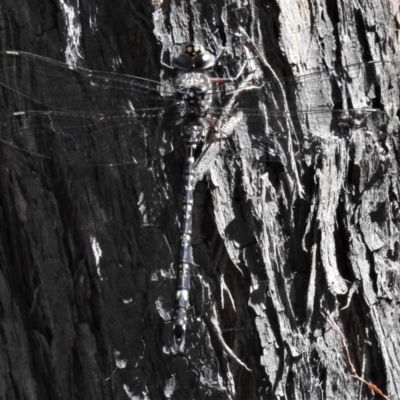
297 287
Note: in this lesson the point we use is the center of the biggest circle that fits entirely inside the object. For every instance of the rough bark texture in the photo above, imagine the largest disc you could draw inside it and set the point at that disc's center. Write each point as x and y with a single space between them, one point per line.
88 257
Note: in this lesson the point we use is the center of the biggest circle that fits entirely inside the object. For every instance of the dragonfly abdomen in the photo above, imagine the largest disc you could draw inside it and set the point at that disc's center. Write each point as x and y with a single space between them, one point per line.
192 133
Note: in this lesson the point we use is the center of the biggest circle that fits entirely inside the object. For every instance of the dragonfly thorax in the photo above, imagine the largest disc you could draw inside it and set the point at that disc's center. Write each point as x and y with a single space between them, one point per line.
194 93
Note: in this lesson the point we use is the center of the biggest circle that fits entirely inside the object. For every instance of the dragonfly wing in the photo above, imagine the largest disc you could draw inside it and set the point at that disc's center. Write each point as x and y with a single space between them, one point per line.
304 133
87 139
326 89
46 83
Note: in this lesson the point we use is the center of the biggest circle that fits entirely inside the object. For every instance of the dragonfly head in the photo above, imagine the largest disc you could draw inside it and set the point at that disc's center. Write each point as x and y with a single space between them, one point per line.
193 57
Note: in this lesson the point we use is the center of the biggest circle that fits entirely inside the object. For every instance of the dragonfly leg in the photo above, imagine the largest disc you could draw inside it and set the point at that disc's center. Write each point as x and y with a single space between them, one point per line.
230 79
164 64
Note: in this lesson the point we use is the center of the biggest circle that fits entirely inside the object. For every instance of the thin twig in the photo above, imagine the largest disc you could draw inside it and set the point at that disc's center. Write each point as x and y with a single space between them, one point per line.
228 350
353 374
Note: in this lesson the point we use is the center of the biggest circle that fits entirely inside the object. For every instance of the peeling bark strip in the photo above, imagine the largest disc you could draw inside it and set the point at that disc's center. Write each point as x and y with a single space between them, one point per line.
79 327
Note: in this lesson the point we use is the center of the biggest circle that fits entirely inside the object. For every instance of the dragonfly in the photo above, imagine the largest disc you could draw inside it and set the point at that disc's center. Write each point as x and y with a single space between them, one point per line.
96 118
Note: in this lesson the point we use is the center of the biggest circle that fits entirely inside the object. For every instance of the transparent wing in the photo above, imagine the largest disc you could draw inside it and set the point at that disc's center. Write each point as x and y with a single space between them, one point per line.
305 134
87 139
325 88
46 83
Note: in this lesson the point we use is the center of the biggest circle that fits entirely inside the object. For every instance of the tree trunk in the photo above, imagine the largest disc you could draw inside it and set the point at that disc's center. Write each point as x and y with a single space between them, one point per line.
296 290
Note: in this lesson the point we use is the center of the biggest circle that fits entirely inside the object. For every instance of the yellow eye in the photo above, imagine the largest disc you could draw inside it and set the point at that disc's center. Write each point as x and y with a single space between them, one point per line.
189 49
196 49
